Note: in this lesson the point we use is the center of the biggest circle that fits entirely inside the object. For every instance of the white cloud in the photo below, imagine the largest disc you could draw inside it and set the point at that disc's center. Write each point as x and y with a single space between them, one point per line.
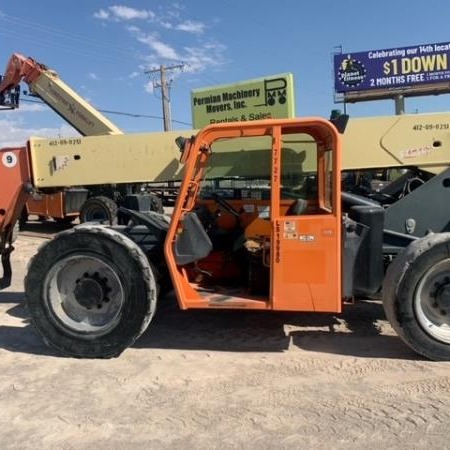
126 13
198 59
30 107
134 75
198 54
93 76
169 20
164 50
191 27
149 87
188 26
166 25
14 133
121 12
161 49
133 29
195 59
101 14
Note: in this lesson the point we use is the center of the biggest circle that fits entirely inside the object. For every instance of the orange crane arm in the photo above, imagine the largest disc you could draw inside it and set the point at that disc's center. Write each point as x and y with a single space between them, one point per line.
19 69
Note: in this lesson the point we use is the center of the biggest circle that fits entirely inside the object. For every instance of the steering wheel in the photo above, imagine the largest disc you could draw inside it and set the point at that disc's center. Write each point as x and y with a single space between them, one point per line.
225 205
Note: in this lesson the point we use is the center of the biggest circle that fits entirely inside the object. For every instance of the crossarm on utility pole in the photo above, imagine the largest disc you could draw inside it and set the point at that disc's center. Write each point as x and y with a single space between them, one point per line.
165 93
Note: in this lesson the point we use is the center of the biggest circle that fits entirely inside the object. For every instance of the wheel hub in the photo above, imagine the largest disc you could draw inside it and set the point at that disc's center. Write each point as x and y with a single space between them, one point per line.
84 295
443 298
432 301
91 291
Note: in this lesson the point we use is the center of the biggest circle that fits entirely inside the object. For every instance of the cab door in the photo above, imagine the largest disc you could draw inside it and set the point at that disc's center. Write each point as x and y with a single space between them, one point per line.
306 226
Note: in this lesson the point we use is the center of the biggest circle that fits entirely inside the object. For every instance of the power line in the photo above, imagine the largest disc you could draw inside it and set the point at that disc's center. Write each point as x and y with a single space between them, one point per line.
51 30
142 115
119 113
79 51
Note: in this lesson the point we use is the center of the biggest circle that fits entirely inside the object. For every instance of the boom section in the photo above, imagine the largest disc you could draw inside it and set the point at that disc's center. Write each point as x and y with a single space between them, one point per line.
46 84
93 160
70 106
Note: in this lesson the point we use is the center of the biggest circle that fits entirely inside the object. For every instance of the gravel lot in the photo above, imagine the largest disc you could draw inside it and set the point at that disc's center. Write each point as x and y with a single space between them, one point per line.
222 380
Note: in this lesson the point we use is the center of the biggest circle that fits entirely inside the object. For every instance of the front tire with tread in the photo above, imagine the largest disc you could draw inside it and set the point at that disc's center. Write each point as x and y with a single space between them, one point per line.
111 268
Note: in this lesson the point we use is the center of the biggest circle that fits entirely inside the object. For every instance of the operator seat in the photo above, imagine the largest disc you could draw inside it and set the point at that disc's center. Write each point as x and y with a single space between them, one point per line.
297 208
193 243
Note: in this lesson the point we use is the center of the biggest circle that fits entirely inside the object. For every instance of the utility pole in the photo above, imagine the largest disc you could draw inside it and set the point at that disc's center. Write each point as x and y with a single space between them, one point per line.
164 84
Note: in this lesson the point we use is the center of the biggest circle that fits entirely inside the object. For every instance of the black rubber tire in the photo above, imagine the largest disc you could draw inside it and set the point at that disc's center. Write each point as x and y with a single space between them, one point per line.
99 209
128 263
156 204
399 289
65 220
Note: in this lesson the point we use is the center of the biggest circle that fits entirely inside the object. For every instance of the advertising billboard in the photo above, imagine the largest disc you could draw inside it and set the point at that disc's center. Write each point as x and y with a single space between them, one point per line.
260 98
394 68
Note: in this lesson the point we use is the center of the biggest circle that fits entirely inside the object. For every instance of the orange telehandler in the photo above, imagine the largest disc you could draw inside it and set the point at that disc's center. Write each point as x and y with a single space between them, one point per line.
273 237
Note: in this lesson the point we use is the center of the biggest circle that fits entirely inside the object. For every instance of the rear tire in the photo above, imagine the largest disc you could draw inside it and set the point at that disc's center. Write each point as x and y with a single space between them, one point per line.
91 292
156 204
65 220
99 209
416 296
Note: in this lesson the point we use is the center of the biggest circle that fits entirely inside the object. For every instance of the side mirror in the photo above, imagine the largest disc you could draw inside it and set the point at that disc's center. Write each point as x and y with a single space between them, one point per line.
185 145
339 120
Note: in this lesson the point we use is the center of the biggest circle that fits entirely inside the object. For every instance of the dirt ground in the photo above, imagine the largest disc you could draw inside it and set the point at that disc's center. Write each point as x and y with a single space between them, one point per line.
222 380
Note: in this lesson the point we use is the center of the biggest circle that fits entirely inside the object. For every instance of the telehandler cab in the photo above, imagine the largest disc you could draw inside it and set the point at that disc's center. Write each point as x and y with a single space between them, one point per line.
257 225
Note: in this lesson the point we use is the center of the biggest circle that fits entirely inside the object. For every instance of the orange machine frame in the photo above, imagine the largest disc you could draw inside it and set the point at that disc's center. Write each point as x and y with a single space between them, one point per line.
16 188
305 251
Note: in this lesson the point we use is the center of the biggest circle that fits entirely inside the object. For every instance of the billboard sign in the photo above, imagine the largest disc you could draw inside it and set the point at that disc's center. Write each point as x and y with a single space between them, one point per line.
262 98
394 68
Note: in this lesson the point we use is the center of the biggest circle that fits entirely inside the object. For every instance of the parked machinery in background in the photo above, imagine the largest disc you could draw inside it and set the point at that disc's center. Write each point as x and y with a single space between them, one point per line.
100 202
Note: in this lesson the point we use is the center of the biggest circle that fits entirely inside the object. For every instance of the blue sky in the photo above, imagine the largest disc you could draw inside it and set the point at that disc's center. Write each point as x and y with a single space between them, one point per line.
102 49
